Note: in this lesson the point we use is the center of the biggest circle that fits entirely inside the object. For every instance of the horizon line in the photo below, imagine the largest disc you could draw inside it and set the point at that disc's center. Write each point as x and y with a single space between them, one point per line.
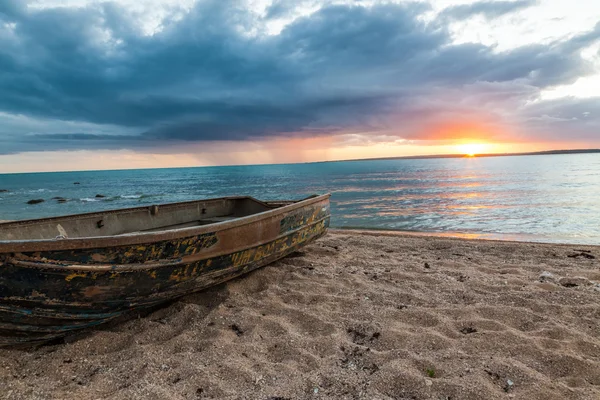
417 157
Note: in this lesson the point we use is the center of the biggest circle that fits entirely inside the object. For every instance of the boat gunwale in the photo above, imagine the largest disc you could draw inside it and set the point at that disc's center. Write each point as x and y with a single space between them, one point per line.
90 242
176 262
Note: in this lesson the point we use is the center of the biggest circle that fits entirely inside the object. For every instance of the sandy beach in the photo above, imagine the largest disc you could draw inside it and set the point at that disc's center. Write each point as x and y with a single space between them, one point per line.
352 316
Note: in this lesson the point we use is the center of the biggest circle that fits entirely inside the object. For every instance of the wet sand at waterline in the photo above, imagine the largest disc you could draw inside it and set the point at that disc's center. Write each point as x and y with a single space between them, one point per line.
352 316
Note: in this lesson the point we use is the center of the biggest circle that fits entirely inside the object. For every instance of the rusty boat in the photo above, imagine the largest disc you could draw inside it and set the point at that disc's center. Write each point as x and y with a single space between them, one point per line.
59 275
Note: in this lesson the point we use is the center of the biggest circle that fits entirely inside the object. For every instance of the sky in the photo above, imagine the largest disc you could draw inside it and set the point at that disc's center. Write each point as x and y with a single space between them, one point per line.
89 84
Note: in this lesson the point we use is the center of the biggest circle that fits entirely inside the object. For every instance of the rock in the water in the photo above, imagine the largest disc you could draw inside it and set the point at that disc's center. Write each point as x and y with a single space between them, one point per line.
35 201
3 190
547 277
574 281
76 183
58 198
100 196
61 200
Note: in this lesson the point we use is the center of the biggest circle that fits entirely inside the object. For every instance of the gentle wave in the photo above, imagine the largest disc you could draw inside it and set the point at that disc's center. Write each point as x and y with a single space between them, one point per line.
116 198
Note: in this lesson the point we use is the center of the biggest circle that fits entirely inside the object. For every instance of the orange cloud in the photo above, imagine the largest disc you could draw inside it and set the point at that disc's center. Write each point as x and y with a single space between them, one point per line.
463 131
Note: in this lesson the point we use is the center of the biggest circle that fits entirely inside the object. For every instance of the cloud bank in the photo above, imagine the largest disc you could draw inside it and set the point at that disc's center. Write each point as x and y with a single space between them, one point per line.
89 78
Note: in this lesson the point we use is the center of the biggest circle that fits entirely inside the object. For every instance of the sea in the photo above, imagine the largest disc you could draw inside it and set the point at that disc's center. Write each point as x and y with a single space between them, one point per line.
541 198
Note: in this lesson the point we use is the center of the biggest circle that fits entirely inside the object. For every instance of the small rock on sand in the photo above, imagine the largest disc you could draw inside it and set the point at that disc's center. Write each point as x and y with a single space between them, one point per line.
574 281
547 277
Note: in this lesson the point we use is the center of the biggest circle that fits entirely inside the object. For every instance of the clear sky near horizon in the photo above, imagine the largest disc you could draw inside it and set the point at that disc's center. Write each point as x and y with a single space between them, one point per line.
88 84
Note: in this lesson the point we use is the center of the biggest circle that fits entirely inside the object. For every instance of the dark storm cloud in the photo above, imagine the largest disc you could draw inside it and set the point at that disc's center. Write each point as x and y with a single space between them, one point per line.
201 78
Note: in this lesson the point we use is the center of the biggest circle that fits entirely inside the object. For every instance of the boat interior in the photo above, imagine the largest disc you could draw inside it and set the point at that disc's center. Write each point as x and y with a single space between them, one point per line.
137 220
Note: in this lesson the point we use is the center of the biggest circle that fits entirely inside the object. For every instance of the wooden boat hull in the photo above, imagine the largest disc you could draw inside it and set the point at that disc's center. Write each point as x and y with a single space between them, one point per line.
46 293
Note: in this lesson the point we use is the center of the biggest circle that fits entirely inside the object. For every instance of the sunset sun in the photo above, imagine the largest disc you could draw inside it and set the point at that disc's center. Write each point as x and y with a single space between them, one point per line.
472 149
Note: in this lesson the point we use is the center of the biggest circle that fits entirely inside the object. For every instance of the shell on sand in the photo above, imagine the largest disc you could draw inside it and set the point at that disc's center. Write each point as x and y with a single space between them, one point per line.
352 316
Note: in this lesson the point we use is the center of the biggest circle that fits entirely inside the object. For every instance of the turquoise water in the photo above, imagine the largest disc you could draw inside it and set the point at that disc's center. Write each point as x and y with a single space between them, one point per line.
551 198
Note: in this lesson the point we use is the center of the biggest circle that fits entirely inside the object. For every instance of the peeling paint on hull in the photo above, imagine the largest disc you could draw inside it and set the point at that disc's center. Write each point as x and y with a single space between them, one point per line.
45 295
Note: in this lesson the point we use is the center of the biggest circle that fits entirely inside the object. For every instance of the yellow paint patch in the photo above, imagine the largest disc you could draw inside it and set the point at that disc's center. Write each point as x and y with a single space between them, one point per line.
177 276
74 275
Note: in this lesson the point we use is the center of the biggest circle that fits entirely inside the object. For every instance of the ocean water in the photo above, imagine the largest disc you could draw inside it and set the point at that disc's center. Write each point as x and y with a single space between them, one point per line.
549 198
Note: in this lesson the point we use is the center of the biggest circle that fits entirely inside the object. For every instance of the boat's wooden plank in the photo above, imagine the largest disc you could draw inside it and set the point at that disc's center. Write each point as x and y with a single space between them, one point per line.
215 220
203 221
119 222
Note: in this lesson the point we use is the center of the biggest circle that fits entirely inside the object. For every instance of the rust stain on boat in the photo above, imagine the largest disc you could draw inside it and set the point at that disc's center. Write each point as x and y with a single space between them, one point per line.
93 291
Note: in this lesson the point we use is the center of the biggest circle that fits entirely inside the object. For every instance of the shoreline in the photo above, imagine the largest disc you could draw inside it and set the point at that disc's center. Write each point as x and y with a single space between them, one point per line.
521 238
353 315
